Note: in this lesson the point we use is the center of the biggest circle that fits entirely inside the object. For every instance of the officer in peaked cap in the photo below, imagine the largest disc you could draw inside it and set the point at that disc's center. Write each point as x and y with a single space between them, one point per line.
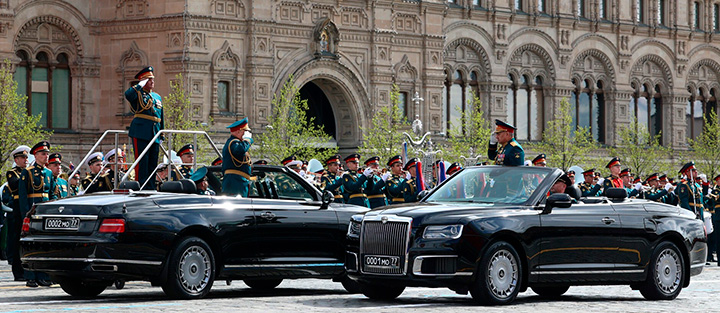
395 182
202 186
614 180
656 192
411 181
627 180
55 166
286 161
689 192
589 188
260 162
74 185
509 152
37 184
331 180
147 122
236 166
375 187
354 182
540 160
453 168
11 230
96 180
187 156
109 161
217 161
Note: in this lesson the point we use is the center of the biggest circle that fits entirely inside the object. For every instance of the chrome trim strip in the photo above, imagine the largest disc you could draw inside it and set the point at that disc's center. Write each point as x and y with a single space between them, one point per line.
81 217
697 265
284 265
587 272
93 260
417 266
387 218
357 262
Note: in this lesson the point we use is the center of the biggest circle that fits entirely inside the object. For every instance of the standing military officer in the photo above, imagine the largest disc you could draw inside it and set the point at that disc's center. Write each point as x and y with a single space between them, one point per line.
236 160
96 181
147 122
395 182
689 192
510 153
331 180
375 190
589 188
54 165
37 185
13 224
354 182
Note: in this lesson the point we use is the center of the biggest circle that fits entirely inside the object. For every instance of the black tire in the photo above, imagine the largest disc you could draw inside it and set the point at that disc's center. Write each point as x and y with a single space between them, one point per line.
499 275
381 292
191 270
550 292
262 284
119 284
350 285
666 273
80 289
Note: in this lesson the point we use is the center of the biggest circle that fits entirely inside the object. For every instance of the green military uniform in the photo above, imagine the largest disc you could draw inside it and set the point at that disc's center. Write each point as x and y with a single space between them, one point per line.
13 223
689 193
396 188
411 185
375 187
354 184
147 122
333 183
63 188
590 190
510 154
236 166
185 170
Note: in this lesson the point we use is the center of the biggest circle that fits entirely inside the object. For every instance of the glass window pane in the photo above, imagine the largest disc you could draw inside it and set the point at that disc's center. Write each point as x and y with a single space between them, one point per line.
696 14
541 6
40 74
518 5
536 115
222 95
61 98
689 119
39 106
697 118
20 77
584 110
510 105
402 105
601 9
655 125
597 118
573 108
642 112
522 114
455 105
445 108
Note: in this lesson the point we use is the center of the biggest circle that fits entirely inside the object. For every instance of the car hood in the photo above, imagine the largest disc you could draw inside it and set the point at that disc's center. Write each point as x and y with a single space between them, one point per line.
451 213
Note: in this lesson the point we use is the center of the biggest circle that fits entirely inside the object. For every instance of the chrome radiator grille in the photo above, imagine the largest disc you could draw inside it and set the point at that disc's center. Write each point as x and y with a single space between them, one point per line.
389 239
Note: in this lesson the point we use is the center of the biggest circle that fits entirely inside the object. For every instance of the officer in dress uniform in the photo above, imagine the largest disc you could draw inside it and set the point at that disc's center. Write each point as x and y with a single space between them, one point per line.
689 192
540 160
713 206
509 153
96 181
375 190
187 156
37 185
395 182
331 181
626 177
13 224
236 160
261 162
457 190
411 187
656 191
201 184
589 188
218 162
612 181
354 182
452 169
109 161
148 121
54 165
74 185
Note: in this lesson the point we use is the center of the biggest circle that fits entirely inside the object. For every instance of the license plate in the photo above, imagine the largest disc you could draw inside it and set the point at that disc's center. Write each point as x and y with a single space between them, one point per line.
62 223
381 261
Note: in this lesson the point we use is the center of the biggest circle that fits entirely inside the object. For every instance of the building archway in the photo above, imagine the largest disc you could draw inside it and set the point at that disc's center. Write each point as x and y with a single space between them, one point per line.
319 107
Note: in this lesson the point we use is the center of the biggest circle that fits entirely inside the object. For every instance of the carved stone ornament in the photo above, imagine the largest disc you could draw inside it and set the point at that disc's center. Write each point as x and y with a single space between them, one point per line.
326 38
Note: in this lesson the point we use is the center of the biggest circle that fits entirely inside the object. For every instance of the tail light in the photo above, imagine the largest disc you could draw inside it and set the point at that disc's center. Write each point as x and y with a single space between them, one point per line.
26 225
112 225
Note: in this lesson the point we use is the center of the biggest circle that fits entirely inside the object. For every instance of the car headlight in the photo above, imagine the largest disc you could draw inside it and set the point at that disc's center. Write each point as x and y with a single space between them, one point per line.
354 226
443 232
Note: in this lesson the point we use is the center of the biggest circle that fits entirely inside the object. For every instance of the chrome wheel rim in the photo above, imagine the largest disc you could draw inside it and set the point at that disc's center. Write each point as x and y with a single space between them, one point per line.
194 270
668 271
502 276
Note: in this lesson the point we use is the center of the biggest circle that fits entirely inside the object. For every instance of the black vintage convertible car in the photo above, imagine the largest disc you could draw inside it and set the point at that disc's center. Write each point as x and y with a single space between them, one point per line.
495 231
285 229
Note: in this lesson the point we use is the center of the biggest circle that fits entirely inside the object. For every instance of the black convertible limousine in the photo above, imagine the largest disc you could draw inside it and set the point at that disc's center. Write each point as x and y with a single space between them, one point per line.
285 229
495 231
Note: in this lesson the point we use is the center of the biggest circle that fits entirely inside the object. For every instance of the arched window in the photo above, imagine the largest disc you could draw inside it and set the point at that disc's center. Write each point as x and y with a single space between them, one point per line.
602 10
474 86
46 82
524 102
580 7
716 17
646 107
640 11
661 19
456 99
700 104
518 5
588 106
541 6
697 15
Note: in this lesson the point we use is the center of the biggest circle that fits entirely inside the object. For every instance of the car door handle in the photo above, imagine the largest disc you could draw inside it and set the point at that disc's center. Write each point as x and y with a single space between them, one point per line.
267 215
608 220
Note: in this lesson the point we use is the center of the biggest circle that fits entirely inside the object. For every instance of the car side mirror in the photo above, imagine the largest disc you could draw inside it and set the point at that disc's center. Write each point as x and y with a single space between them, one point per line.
422 194
557 200
327 198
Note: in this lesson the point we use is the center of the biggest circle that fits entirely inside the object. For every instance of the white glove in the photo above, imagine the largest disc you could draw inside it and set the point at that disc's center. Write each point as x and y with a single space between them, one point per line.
492 183
368 172
601 181
668 187
408 176
143 82
385 176
247 134
638 186
493 139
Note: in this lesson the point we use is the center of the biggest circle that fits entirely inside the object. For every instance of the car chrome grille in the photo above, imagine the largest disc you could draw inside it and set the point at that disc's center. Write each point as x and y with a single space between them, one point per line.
387 238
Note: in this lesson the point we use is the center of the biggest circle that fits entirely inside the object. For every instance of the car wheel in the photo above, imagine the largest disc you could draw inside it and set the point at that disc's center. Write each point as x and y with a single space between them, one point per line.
498 275
119 284
666 273
381 292
80 289
262 284
191 270
550 292
350 285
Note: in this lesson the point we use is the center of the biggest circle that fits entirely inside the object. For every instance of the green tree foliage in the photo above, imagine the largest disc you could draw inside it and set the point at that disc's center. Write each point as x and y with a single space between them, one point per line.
470 138
19 128
384 137
178 114
290 131
705 149
564 144
639 150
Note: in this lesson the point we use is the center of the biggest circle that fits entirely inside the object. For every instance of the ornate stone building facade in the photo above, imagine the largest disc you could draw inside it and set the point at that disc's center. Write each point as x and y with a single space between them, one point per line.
615 60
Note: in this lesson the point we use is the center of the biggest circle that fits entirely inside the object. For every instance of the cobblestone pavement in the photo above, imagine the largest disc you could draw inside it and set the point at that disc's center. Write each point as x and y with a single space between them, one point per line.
311 295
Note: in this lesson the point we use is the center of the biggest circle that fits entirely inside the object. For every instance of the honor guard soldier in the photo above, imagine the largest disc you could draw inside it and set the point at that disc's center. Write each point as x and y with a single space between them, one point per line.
354 182
509 153
236 160
109 161
540 160
13 223
74 185
147 122
55 166
187 156
201 184
689 192
411 189
331 180
656 192
613 181
395 182
375 190
571 175
632 190
96 181
589 188
37 185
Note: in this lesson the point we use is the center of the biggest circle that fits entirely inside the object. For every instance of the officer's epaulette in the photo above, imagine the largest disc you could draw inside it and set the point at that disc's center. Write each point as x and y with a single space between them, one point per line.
29 168
514 143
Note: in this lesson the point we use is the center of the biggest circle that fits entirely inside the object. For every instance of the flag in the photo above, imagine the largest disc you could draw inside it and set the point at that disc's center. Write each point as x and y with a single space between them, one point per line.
419 175
441 175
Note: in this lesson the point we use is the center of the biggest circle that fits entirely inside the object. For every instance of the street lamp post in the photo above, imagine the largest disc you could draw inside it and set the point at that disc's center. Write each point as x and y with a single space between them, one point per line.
421 143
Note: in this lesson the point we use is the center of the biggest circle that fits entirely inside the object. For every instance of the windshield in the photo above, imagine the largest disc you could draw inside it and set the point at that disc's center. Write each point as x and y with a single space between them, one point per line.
507 185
